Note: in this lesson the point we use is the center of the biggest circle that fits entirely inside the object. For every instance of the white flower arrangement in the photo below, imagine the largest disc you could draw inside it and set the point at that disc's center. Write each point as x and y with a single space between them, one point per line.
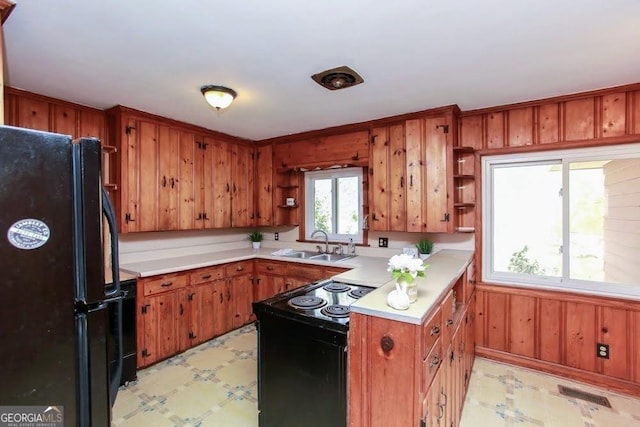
405 267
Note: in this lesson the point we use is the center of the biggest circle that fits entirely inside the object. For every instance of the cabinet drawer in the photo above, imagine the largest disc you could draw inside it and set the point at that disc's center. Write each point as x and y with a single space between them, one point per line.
448 313
238 268
304 272
431 331
208 274
271 267
332 271
169 282
430 364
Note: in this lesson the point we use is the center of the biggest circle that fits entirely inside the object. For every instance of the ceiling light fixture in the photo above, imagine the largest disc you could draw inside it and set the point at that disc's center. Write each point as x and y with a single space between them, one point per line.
219 97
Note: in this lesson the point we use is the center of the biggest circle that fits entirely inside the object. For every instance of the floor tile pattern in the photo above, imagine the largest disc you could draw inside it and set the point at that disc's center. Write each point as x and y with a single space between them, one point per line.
506 395
215 385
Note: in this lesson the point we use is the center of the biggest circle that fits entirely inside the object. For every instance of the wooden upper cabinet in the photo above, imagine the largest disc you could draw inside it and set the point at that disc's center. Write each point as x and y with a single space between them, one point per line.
387 187
429 174
343 149
242 191
264 185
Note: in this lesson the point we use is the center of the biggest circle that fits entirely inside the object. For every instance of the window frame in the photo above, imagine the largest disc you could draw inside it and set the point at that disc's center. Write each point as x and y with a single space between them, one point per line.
563 157
309 219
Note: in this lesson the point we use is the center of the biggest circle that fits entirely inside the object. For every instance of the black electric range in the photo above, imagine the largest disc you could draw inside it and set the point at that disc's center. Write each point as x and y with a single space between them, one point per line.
302 355
324 303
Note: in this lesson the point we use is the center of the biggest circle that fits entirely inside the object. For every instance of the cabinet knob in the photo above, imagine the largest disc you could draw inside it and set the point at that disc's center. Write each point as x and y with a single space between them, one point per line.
435 330
206 276
387 344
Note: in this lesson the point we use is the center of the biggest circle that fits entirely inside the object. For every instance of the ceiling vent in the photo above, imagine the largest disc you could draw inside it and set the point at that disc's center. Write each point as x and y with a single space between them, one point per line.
338 78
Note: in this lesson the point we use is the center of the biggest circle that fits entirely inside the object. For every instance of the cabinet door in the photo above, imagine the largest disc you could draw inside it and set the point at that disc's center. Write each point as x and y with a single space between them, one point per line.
168 174
264 185
242 296
415 175
217 192
164 327
267 286
186 180
388 169
429 153
438 205
242 201
147 174
202 301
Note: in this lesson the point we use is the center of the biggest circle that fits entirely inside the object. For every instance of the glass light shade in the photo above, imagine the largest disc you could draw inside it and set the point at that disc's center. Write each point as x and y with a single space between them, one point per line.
219 97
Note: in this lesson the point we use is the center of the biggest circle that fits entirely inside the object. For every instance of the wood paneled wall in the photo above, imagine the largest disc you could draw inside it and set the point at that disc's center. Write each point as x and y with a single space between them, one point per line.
611 115
553 331
558 332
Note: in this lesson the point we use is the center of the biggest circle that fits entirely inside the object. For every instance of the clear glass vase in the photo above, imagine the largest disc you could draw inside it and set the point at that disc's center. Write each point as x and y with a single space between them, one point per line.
410 288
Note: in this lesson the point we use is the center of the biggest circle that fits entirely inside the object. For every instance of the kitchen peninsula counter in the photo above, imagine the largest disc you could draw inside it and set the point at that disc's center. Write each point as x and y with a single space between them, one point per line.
445 267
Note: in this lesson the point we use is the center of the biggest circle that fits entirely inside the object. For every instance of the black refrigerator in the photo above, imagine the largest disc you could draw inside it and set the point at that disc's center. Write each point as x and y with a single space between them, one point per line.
53 299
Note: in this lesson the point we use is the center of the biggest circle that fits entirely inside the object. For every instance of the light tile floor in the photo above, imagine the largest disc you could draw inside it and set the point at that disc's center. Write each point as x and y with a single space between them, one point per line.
215 385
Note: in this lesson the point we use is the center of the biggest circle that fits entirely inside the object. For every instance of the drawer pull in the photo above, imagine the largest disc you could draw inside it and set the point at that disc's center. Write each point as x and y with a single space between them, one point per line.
239 268
435 330
206 276
167 284
270 267
435 361
449 322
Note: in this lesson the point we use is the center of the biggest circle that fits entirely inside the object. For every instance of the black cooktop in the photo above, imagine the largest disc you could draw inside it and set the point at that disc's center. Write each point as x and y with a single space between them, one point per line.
325 303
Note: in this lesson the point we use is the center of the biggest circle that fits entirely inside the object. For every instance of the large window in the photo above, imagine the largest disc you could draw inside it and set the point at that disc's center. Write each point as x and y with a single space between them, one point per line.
564 219
334 203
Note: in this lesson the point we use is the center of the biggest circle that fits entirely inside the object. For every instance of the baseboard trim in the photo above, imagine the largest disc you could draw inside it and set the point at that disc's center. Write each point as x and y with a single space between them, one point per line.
592 378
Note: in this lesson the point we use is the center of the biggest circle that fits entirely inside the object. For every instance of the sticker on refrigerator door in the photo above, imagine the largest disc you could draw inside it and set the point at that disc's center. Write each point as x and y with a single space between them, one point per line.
28 234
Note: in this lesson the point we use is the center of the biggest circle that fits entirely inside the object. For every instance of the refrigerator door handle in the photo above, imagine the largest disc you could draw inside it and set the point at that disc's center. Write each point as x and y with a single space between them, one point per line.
113 293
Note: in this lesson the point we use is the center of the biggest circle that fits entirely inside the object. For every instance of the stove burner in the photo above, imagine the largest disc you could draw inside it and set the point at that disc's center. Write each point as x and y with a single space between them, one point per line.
336 310
336 287
306 302
357 293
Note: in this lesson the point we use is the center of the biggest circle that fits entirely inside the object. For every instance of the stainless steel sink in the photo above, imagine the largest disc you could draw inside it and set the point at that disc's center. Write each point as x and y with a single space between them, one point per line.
302 254
331 257
318 257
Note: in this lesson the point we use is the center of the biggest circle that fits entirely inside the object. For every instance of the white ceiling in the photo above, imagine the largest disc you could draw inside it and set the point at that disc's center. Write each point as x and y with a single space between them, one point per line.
413 55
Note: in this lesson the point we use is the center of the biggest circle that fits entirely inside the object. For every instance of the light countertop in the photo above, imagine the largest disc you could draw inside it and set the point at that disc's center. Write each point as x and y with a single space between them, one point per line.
445 267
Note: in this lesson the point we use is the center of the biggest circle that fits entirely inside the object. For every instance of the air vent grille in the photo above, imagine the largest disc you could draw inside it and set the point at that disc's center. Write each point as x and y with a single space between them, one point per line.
583 395
338 78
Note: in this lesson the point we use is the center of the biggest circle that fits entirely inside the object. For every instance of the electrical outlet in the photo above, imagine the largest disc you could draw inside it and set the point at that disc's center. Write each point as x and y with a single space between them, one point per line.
602 350
383 242
276 236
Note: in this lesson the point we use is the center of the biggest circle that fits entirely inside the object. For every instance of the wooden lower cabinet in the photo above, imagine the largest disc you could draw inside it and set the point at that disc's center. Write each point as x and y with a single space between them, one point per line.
410 375
180 310
162 325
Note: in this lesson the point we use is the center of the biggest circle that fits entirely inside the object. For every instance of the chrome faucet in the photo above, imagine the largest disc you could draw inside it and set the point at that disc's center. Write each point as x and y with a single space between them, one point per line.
326 239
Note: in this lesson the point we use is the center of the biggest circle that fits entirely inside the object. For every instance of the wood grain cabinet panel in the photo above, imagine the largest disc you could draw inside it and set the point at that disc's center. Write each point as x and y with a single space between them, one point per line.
388 182
495 130
64 120
548 123
495 310
264 185
406 375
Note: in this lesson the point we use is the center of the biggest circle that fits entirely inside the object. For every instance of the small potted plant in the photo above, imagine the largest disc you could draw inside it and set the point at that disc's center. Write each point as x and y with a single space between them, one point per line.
424 246
255 237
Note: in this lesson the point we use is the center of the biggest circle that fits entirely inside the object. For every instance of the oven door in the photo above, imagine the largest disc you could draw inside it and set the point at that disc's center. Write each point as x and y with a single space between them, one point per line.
301 374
